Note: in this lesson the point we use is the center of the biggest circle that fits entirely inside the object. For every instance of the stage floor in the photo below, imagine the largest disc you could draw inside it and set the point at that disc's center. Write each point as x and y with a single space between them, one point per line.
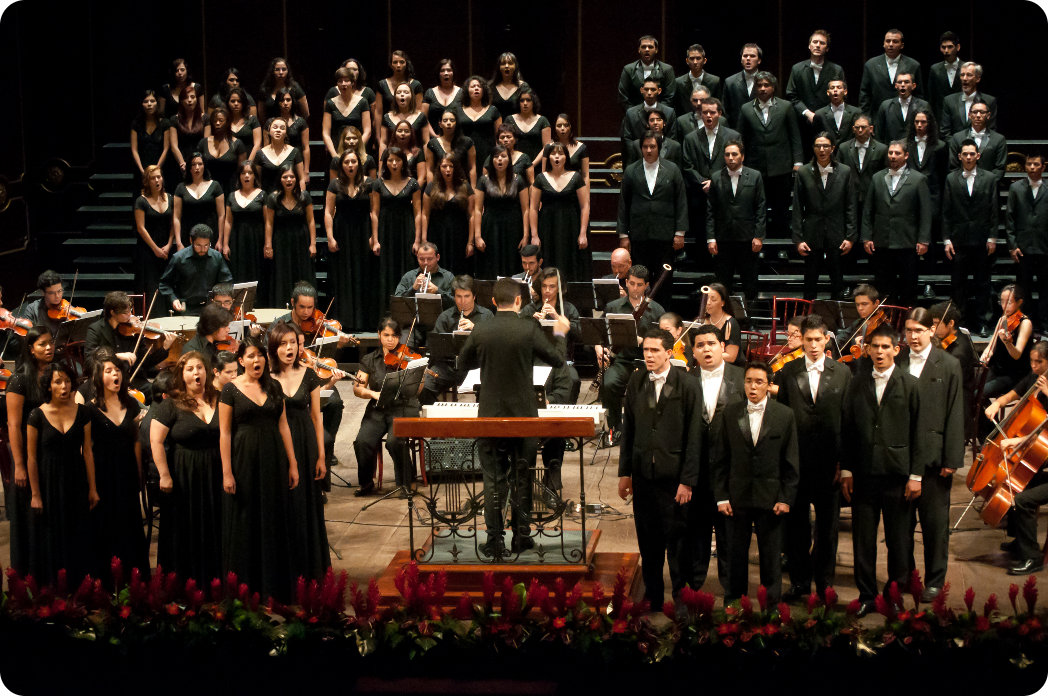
364 542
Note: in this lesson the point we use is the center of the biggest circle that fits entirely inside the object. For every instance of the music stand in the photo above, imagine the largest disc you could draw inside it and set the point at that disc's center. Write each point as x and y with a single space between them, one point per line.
396 385
606 290
593 331
445 347
622 331
581 295
244 296
75 329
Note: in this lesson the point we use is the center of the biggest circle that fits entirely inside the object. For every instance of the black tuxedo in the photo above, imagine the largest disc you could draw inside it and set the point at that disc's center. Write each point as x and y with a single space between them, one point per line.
968 220
632 78
689 123
804 92
700 165
824 217
655 215
754 478
993 152
932 166
1026 221
820 452
772 148
964 350
703 517
939 85
660 449
953 116
635 122
617 374
889 124
873 162
683 89
877 84
671 152
896 223
735 95
505 348
824 121
941 388
733 220
885 450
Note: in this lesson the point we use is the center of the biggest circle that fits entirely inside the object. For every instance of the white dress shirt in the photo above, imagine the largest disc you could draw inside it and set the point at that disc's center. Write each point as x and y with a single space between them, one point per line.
838 114
748 76
711 386
816 70
651 172
1035 186
880 381
893 67
764 107
969 178
814 370
711 138
755 412
734 176
894 177
824 172
904 104
860 149
951 70
966 101
659 378
919 359
696 82
978 137
922 146
647 68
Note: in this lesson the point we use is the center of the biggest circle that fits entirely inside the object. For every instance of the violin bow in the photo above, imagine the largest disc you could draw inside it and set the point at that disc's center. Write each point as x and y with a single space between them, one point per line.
11 333
145 320
705 290
320 329
72 290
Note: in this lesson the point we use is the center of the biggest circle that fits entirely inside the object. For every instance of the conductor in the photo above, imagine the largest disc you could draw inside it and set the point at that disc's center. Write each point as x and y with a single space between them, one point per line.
505 348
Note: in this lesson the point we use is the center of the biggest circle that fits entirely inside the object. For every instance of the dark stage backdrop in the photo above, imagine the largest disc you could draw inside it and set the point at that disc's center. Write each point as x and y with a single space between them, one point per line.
76 69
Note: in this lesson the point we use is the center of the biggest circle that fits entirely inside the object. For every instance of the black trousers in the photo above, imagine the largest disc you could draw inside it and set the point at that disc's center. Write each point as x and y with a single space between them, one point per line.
704 520
895 275
735 256
768 526
507 463
830 259
331 416
874 497
972 296
778 190
812 548
1024 516
613 388
1031 265
373 426
662 537
933 510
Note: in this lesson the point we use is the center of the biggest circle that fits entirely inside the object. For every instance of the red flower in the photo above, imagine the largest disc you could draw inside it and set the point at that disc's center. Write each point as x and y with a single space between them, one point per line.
171 608
969 598
1013 592
746 604
670 610
830 597
125 611
762 597
895 594
990 606
784 612
560 622
982 623
1030 593
916 587
812 601
619 626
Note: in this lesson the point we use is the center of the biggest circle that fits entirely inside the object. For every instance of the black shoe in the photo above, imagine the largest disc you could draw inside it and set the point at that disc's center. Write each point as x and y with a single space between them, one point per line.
521 543
930 593
493 547
866 608
1030 565
796 593
1009 546
364 490
323 498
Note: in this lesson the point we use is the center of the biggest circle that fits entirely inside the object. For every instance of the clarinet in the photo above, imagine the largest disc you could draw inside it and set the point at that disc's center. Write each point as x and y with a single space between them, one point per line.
643 306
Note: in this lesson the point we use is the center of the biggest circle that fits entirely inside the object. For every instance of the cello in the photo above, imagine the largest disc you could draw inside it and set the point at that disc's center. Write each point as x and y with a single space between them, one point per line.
990 469
1019 466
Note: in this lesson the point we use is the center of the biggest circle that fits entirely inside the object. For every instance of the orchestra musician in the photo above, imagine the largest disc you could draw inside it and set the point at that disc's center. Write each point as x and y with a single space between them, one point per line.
378 420
222 295
428 278
941 386
212 331
530 262
546 285
620 266
671 321
814 387
116 311
659 463
790 351
867 301
1008 352
462 317
946 325
192 272
880 420
505 348
49 284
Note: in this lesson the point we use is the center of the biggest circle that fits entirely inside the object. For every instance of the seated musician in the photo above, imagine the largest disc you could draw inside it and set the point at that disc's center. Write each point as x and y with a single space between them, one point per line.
462 317
866 299
530 262
116 310
212 330
1038 368
1023 515
790 351
546 286
414 281
222 295
619 367
946 325
620 266
49 284
1009 348
671 321
192 272
378 420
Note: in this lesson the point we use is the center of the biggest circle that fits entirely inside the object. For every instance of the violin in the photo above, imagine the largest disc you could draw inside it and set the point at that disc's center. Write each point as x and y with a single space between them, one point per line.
948 341
780 362
1010 324
326 368
5 375
137 395
150 332
325 328
66 312
399 357
872 322
20 325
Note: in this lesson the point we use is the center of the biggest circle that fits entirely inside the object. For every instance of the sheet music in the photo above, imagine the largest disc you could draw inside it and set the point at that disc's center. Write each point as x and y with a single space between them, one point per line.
539 375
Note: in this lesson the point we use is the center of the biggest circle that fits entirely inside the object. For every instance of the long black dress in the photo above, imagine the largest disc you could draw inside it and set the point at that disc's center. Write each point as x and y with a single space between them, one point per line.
291 260
17 508
246 134
559 222
197 211
269 171
255 542
310 555
481 131
459 152
190 540
354 118
352 270
247 238
294 131
61 532
501 228
448 228
150 145
223 169
530 141
118 529
148 266
436 109
396 234
509 105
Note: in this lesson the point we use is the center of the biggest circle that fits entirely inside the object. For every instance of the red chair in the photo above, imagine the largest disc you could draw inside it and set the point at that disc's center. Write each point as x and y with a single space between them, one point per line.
782 310
755 345
896 316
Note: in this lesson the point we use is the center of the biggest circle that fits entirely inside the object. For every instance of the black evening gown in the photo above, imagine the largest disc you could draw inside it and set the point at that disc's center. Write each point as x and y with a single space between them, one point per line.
521 164
150 147
197 211
501 228
118 526
148 266
507 106
396 234
354 118
436 109
418 123
17 507
190 539
559 221
310 555
270 171
255 542
223 169
171 101
387 95
61 532
291 261
294 131
460 152
448 228
246 134
353 269
530 142
247 239
481 131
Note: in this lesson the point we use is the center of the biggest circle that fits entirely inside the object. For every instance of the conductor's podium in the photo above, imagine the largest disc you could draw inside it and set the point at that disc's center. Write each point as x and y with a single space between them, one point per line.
446 516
